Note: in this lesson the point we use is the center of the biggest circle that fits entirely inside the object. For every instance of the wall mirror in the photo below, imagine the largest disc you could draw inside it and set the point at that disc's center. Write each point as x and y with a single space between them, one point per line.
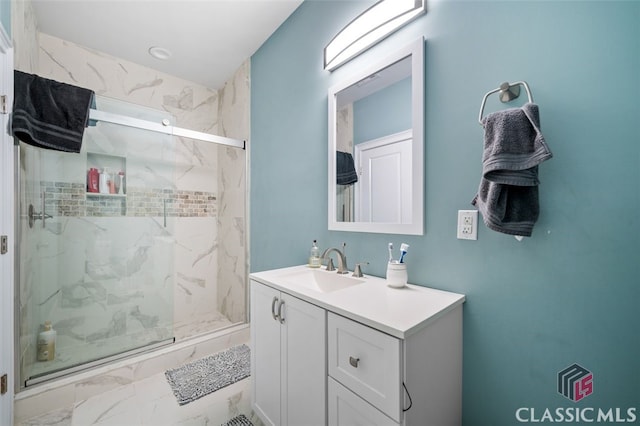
376 147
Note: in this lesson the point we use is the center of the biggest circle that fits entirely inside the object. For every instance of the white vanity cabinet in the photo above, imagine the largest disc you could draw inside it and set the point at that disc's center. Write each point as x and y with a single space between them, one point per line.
363 355
288 358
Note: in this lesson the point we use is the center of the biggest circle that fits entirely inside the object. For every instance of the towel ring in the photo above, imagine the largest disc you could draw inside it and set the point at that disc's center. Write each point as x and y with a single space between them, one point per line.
508 92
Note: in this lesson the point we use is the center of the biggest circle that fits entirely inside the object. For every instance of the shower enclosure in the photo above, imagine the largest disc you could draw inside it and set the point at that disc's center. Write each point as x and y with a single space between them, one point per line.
135 265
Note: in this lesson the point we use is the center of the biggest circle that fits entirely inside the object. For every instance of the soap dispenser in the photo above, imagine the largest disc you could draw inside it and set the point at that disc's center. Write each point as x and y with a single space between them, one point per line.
314 256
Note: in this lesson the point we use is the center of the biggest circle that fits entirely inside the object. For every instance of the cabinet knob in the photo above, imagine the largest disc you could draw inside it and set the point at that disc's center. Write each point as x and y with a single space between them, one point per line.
354 361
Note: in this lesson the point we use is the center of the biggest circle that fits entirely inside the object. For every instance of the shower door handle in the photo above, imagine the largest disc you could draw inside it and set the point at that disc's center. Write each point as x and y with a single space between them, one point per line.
164 211
33 216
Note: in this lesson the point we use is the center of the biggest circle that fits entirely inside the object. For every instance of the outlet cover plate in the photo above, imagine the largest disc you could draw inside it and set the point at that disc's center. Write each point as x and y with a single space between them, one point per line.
467 224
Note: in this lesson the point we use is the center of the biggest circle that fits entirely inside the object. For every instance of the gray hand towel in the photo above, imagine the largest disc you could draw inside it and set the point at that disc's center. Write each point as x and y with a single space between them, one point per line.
49 114
513 149
345 169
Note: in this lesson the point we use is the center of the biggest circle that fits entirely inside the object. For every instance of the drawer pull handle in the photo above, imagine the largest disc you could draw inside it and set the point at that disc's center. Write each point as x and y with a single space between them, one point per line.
354 361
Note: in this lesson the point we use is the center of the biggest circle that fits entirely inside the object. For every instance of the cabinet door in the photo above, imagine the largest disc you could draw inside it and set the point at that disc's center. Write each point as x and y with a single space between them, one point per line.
265 354
304 363
348 409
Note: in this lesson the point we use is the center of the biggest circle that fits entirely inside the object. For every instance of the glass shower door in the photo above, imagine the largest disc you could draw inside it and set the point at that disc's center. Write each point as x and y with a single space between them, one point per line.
99 266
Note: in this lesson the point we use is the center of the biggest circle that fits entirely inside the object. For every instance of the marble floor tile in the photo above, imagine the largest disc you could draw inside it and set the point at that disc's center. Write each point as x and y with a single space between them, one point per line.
150 401
61 417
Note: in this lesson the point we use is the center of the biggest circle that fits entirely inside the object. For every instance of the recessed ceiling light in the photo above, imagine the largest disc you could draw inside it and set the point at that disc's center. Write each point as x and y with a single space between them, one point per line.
159 53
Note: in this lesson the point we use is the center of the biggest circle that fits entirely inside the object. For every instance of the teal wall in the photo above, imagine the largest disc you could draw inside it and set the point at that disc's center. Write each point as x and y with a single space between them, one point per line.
383 113
571 292
5 16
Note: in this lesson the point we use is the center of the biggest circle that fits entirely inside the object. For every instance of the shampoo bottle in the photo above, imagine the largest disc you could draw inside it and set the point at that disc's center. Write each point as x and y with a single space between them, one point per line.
47 343
92 180
314 255
104 181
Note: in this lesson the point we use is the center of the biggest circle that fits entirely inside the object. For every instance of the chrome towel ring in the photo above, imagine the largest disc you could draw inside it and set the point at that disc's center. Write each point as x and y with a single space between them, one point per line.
508 92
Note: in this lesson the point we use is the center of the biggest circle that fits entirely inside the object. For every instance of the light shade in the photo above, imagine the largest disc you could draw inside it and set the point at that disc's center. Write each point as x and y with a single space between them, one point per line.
374 24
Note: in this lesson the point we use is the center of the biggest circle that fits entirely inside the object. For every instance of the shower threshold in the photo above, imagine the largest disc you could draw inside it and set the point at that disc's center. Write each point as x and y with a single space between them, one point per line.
45 377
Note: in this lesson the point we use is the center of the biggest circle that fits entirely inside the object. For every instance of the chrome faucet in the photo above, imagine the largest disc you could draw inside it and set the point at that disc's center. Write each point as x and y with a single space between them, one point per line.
342 259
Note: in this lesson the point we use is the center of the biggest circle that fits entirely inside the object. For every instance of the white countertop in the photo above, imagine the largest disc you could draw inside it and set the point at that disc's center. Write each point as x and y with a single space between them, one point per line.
398 312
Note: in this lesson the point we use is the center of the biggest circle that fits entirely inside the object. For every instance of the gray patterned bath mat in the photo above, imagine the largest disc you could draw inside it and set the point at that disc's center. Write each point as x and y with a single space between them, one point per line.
207 375
240 420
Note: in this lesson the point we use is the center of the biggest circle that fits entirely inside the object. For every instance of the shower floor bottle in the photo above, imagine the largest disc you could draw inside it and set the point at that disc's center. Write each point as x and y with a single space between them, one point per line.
47 343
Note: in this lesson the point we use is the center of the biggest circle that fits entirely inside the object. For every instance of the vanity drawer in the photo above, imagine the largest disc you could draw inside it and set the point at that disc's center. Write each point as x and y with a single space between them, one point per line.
366 361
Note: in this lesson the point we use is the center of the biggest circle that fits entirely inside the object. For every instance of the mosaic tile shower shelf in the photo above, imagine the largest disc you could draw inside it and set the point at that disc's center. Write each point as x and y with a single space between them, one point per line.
69 199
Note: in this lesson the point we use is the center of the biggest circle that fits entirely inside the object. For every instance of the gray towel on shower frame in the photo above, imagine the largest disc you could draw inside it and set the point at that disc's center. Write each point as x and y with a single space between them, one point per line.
49 114
345 169
513 149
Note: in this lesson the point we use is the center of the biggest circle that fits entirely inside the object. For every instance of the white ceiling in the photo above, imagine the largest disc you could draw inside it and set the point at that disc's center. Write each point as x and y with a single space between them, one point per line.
209 39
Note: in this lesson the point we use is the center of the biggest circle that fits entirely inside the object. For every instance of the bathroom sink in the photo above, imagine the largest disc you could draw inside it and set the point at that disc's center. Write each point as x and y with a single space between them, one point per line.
321 280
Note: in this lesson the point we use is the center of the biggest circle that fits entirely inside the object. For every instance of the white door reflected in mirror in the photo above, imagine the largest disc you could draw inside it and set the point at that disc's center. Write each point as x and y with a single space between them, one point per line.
383 192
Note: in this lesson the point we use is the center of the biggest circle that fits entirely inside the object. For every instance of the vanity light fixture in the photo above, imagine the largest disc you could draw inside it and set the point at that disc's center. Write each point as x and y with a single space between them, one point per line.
371 26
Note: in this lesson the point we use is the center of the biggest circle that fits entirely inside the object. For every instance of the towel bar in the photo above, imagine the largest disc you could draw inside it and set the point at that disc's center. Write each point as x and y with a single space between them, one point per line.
508 92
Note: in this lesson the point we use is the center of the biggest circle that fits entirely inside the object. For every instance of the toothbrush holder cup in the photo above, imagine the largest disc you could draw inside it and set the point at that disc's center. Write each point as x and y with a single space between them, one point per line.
396 274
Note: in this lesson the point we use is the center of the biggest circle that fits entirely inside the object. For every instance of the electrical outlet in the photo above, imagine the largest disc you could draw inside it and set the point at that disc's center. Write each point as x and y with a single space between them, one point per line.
467 224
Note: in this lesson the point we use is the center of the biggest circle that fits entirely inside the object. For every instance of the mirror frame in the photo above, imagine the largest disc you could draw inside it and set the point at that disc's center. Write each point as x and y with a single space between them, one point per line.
416 227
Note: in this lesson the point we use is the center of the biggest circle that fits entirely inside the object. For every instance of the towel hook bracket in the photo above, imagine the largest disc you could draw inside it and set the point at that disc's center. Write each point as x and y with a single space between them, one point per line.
508 92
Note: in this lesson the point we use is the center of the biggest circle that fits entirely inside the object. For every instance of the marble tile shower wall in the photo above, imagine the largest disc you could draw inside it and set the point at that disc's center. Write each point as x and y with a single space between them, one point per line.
233 263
